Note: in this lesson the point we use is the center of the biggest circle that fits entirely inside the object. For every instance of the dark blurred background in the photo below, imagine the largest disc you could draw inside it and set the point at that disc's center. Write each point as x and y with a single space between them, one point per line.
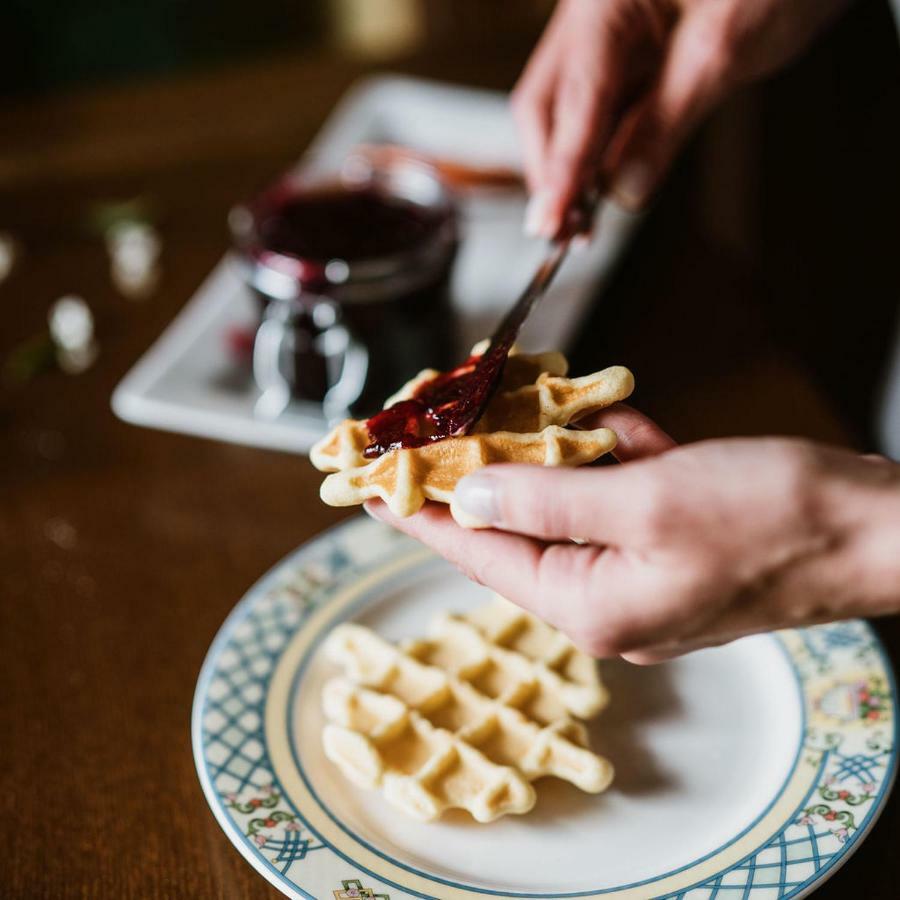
49 46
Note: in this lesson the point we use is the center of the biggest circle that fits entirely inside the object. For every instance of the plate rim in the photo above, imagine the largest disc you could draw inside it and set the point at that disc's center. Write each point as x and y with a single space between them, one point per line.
242 843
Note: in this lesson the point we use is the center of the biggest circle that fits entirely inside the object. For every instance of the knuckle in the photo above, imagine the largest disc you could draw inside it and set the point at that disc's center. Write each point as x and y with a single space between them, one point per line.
715 45
710 31
552 580
581 93
721 49
492 571
688 583
706 45
602 624
562 585
808 612
540 505
657 506
471 571
800 472
799 456
481 568
572 162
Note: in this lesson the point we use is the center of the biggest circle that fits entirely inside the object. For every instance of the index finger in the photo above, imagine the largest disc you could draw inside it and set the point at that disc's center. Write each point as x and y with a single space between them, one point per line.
550 580
638 435
532 102
588 592
584 108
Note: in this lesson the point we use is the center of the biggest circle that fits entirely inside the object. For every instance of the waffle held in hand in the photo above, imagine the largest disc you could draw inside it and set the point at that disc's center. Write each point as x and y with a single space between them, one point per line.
525 422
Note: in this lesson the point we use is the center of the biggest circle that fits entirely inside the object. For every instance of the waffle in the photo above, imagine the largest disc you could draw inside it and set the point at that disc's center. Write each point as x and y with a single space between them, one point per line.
405 479
342 448
525 422
466 718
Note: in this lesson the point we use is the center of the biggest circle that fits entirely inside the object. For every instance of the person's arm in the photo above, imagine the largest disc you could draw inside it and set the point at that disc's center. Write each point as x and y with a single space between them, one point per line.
687 547
615 86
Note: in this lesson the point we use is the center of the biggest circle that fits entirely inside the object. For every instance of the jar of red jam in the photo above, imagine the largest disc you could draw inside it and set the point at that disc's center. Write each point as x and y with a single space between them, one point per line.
351 270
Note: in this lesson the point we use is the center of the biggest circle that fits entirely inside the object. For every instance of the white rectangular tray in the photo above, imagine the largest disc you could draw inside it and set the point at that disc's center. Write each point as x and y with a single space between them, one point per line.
185 382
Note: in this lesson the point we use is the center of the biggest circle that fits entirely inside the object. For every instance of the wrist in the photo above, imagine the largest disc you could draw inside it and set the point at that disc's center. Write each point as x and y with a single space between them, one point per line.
863 509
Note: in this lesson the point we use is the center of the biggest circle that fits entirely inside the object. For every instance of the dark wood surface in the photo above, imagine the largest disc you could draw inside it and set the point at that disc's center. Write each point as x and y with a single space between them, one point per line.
123 549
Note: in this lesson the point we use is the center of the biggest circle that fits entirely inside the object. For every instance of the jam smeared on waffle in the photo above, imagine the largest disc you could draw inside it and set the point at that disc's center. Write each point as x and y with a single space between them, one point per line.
526 421
446 406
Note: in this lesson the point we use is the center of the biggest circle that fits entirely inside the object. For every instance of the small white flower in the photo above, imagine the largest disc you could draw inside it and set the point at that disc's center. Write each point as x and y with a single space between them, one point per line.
71 323
133 244
72 330
134 249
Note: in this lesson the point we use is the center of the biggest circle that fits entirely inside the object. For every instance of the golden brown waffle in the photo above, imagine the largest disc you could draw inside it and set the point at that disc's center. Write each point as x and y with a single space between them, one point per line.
342 448
525 422
405 479
465 718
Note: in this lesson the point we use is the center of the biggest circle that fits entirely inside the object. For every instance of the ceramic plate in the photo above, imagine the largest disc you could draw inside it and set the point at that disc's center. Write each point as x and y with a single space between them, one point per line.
752 770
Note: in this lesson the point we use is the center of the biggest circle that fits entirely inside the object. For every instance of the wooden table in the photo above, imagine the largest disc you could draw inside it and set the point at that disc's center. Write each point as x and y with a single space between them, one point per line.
122 549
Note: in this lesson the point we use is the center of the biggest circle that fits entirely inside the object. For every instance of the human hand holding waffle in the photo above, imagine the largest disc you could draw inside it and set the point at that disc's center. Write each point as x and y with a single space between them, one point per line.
683 547
526 422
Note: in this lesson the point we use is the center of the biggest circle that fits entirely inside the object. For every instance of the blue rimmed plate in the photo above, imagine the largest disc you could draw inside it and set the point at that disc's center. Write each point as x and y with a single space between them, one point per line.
752 770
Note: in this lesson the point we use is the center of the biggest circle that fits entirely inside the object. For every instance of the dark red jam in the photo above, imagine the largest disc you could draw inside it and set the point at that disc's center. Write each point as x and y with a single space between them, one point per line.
344 223
448 405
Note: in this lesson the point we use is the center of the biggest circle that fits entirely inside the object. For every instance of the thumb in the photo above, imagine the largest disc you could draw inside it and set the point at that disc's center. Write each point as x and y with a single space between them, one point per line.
600 505
693 78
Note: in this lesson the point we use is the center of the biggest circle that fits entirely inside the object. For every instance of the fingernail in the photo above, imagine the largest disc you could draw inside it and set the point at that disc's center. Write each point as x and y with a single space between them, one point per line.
536 214
632 184
581 242
476 495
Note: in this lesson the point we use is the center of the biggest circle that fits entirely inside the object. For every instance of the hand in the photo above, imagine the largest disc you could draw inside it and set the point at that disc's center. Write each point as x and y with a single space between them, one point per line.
615 86
687 547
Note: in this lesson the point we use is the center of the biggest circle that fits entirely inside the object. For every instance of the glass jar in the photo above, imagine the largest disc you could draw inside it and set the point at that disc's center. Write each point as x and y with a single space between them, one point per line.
351 269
